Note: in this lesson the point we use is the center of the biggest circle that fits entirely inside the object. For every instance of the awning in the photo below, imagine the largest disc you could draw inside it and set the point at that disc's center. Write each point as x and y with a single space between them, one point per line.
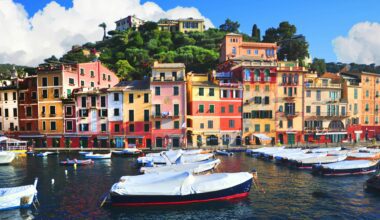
175 135
134 136
358 132
262 137
102 137
53 136
331 133
291 132
31 136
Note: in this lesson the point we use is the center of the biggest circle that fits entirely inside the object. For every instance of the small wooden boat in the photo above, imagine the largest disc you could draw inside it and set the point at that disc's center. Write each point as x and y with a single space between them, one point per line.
348 167
308 163
198 167
47 153
84 152
373 183
30 153
128 152
224 153
175 188
6 157
98 156
18 197
363 156
77 162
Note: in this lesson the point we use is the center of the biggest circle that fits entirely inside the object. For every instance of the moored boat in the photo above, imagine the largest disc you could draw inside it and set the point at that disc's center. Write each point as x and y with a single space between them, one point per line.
6 157
47 153
77 162
224 153
98 156
128 152
18 197
173 188
347 167
373 183
84 152
308 163
363 156
197 167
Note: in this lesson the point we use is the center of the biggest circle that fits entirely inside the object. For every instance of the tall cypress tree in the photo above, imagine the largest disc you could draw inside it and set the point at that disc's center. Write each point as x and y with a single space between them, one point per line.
256 33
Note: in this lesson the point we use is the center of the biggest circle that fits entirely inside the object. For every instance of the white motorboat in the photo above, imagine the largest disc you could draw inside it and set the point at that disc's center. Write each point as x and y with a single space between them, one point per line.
128 151
325 150
195 158
47 153
84 152
18 197
307 163
158 158
347 167
197 167
98 156
224 153
6 157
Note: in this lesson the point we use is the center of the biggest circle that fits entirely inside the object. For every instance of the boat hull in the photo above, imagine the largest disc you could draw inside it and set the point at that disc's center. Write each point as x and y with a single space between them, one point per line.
343 172
6 157
78 162
235 192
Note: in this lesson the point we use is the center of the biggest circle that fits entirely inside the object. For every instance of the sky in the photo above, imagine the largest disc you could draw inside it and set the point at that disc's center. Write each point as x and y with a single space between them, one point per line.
337 30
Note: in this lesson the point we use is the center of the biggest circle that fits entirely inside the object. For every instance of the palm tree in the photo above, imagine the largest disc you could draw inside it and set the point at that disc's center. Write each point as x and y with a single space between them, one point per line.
104 26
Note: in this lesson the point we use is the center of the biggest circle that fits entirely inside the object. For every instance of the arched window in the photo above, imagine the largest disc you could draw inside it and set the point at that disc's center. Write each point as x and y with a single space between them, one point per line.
284 78
226 139
247 74
267 75
257 75
336 124
199 140
290 79
234 50
281 108
296 78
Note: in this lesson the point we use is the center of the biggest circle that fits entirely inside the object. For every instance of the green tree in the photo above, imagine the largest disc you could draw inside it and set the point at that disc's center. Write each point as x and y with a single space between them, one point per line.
271 35
124 69
256 33
230 26
286 30
293 50
318 65
104 27
135 40
148 26
51 59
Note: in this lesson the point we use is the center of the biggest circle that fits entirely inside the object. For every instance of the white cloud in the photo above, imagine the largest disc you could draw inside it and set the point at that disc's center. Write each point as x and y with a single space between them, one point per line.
362 45
54 29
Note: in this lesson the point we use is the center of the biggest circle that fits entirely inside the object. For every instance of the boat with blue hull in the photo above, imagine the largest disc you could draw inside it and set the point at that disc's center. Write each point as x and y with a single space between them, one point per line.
348 167
179 188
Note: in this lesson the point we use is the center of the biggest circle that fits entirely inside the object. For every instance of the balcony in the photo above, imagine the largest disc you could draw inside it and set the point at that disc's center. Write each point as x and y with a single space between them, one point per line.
234 85
289 98
322 86
166 79
165 115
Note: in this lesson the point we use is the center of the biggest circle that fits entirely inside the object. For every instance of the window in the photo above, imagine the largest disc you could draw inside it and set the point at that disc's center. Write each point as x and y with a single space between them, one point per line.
212 109
104 76
257 128
285 90
295 90
93 101
157 124
130 98
21 96
83 102
367 93
131 115
6 113
14 112
239 109
157 90
92 73
28 111
247 88
92 84
176 109
296 78
44 81
266 100
267 127
117 128
102 101
109 78
280 124
43 125
318 95
290 123
52 110
53 126
103 127
231 124
82 83
146 97
201 91
146 115
176 124
256 51
211 92
202 125
210 124
116 96
44 94
71 81
116 112
234 50
175 90
223 109
247 74
131 128
34 95
257 88
367 107
82 71
308 109
69 110
230 108
146 127
158 109
308 93
43 110
355 93
201 108
69 125
284 79
266 88
248 51
318 110
56 93
56 81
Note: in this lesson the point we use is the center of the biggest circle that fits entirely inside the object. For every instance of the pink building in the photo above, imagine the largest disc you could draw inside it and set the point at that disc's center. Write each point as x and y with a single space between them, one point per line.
168 88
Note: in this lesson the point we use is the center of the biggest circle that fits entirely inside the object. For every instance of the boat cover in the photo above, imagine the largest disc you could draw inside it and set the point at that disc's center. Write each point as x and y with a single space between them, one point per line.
323 150
304 156
171 155
265 149
262 137
364 155
195 158
325 159
350 164
177 183
12 193
196 167
98 156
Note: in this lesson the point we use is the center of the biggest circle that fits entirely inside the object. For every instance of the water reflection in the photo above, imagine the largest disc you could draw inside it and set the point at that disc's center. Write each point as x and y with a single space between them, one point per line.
289 193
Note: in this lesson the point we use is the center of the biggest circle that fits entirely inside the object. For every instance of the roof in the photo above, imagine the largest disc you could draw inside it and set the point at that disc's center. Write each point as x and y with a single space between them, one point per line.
248 58
259 44
334 77
168 65
233 34
131 85
204 83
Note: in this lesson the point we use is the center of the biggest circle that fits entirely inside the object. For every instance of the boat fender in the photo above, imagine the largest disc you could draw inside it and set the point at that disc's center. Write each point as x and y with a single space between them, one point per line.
75 166
66 172
52 181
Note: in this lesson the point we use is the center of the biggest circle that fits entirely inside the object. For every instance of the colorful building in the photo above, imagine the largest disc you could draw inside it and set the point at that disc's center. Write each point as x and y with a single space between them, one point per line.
115 115
168 87
233 47
181 25
130 21
9 122
204 111
325 109
137 113
289 103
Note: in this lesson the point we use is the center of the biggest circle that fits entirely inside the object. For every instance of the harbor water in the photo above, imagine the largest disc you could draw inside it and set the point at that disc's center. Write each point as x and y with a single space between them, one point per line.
289 193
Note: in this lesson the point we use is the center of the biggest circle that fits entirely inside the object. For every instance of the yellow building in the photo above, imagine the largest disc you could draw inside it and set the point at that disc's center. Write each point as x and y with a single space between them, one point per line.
137 113
325 109
182 25
203 119
289 103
